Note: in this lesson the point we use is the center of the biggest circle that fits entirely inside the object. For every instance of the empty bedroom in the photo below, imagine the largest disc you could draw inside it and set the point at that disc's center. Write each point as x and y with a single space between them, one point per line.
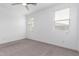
39 29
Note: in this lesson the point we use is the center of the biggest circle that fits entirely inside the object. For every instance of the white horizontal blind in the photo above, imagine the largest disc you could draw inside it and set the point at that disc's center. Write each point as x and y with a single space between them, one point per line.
62 14
62 18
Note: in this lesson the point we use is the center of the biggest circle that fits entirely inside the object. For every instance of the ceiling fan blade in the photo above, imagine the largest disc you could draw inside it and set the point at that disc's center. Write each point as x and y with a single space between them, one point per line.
16 3
26 3
31 3
27 7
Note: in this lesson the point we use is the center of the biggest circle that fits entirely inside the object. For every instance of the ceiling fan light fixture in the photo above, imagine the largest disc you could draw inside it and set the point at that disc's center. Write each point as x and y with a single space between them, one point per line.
24 4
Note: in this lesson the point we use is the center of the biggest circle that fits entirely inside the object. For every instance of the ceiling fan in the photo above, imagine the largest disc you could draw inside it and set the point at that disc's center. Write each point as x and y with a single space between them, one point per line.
25 4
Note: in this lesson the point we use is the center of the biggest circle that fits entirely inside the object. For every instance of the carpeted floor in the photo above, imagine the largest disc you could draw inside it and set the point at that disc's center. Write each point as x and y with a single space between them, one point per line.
27 47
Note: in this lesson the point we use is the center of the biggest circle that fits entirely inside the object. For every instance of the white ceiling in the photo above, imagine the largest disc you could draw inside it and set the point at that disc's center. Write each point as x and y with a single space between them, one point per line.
39 6
22 9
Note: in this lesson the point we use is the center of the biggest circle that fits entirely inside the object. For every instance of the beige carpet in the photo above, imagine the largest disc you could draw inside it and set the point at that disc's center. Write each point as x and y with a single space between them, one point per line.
27 47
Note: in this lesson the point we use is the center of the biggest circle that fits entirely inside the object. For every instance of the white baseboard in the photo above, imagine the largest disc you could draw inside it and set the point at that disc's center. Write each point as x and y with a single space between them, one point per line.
55 44
6 40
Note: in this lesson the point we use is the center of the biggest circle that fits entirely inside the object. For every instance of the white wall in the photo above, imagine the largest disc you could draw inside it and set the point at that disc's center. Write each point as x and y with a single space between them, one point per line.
44 27
12 24
78 27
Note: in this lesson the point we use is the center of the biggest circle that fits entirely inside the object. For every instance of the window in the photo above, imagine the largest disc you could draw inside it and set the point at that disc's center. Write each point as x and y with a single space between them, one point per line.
31 24
62 19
